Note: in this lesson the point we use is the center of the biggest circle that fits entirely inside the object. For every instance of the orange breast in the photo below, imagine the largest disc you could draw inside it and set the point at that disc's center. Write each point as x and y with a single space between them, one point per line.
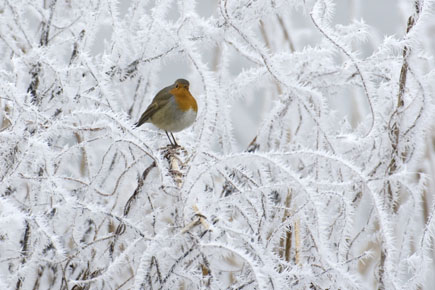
184 99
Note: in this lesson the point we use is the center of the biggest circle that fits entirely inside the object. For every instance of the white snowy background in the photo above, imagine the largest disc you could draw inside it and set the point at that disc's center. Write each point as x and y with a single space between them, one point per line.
311 164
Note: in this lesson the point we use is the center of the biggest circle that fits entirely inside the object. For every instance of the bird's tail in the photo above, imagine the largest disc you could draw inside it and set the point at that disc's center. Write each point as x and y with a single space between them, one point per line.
140 122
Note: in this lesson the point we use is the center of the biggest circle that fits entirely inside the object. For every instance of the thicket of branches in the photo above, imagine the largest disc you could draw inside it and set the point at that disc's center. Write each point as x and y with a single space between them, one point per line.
332 193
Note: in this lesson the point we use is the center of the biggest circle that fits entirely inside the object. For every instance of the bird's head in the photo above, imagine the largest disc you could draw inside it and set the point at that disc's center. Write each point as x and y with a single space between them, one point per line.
180 89
181 84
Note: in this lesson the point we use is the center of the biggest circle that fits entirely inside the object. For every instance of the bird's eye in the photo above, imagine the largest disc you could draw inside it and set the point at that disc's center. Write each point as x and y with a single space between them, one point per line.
176 86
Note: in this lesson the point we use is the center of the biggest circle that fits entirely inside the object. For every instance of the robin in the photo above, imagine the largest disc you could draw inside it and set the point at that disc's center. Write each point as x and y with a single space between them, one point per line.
173 109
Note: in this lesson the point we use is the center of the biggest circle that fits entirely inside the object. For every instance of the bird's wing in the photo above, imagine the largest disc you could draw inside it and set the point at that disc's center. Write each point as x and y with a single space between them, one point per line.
160 100
147 114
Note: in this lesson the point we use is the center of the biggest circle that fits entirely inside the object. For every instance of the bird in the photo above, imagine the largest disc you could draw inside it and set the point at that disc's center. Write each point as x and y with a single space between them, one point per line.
173 109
